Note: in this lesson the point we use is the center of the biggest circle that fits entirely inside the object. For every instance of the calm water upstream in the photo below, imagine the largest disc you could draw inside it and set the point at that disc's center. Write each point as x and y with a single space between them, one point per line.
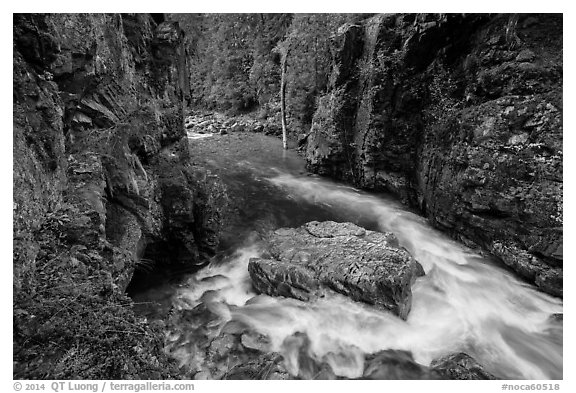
465 302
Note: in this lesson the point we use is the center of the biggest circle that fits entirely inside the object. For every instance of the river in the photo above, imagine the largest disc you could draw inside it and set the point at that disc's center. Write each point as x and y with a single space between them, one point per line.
466 302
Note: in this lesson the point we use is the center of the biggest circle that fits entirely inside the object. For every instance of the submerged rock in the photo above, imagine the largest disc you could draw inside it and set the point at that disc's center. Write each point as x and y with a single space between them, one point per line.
557 317
460 366
266 366
255 341
234 356
367 266
391 364
296 350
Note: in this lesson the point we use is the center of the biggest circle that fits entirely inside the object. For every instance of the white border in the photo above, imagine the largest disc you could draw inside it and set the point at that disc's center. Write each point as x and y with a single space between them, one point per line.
295 6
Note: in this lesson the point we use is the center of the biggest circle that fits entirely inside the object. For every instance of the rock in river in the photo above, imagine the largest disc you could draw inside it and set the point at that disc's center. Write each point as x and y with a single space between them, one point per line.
460 366
317 257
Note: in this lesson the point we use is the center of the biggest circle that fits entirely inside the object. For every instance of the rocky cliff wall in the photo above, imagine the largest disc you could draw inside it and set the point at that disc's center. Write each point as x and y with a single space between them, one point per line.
460 116
101 184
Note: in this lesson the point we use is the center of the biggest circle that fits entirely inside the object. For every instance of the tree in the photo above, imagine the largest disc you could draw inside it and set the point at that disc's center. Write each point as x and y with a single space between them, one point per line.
310 62
235 64
232 64
284 50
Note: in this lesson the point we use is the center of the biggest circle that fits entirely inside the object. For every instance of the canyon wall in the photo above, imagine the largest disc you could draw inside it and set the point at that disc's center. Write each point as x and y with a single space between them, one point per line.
461 117
102 185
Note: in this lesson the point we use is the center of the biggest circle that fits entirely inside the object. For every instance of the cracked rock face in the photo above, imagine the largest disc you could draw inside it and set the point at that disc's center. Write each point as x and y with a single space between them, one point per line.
320 257
99 144
461 117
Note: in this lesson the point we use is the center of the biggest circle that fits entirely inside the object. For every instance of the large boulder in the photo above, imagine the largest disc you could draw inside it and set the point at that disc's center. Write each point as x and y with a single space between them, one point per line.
367 266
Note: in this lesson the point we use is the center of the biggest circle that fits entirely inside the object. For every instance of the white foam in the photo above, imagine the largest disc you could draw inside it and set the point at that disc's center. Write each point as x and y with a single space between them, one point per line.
464 303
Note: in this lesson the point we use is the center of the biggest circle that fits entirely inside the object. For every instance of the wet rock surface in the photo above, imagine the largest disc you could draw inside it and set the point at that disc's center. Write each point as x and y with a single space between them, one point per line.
99 144
461 117
367 266
210 347
460 366
391 364
103 186
265 367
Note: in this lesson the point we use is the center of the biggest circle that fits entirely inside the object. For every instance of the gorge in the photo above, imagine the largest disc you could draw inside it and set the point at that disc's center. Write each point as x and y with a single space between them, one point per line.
413 229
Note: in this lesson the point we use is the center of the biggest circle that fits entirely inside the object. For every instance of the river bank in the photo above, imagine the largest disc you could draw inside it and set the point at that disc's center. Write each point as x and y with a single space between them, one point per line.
102 181
151 245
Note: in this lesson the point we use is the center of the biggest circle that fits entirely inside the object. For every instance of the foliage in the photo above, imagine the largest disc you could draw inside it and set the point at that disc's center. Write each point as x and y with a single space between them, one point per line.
232 66
309 63
70 319
235 64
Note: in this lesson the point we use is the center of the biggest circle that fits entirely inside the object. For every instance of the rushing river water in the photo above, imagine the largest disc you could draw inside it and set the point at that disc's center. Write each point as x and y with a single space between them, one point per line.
465 302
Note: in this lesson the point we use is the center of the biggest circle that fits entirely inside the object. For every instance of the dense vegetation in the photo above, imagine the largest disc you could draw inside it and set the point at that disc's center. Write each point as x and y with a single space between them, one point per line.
235 61
458 115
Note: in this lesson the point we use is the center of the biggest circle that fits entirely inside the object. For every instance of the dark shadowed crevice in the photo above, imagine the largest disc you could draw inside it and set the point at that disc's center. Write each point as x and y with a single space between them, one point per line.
157 267
158 18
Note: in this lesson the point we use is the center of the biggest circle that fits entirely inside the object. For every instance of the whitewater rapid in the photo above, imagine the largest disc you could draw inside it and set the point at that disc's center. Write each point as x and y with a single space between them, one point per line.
465 302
